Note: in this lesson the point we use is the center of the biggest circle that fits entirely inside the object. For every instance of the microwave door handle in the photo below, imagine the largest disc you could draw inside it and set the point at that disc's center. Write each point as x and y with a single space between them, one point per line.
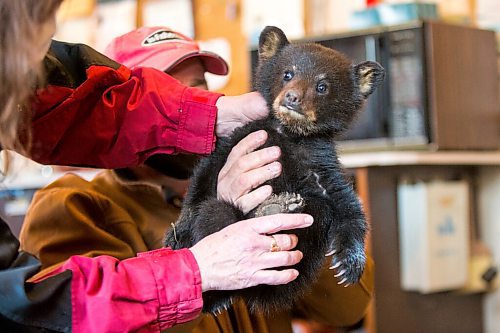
371 48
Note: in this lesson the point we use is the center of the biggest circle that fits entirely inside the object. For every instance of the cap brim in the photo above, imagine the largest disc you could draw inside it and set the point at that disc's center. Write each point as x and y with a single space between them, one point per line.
213 63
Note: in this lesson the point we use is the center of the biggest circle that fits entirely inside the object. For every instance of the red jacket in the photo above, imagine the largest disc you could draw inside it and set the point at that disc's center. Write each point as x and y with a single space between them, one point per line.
149 293
99 113
95 112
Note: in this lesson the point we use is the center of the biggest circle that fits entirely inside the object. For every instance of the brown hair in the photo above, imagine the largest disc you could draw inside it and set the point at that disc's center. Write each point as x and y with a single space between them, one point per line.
19 73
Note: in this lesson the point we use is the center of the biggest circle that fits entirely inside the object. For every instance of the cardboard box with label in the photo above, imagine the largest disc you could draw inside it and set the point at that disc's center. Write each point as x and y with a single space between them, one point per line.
433 222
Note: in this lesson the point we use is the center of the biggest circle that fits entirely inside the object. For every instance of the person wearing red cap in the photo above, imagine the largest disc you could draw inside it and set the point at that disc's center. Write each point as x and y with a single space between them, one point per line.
67 104
140 202
161 48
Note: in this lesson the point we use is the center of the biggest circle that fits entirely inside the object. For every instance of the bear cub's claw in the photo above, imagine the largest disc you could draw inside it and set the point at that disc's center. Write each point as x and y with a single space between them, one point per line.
348 265
281 203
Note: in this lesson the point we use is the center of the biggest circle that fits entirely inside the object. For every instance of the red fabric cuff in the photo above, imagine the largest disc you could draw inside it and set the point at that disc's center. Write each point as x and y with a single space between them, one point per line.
149 293
172 309
197 121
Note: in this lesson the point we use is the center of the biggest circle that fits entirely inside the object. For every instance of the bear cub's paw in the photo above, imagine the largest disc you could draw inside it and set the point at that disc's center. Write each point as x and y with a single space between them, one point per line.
281 203
348 264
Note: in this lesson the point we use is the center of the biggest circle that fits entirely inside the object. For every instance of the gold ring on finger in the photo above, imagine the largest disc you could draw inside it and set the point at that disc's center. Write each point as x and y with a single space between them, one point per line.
274 245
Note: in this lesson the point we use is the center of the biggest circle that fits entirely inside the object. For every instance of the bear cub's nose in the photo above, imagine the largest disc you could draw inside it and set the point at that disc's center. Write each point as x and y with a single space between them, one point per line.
292 99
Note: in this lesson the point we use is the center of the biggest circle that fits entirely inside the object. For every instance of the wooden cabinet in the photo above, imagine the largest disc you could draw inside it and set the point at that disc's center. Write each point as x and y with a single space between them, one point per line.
376 176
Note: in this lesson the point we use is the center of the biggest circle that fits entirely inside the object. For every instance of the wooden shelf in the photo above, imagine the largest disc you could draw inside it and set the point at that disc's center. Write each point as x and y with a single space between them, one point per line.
394 158
377 175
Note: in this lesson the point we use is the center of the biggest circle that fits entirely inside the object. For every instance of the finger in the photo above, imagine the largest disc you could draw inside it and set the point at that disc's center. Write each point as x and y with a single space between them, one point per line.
272 277
253 178
253 160
251 200
249 172
274 223
279 259
286 241
248 144
246 182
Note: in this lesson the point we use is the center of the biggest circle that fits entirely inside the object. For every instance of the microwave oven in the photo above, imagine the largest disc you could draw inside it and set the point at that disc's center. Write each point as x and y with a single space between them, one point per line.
440 91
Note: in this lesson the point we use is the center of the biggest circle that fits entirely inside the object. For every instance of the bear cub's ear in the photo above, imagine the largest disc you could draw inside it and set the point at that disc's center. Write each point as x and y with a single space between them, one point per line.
271 40
368 76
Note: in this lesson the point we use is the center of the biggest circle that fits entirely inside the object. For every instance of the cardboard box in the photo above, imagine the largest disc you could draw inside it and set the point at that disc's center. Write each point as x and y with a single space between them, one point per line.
433 222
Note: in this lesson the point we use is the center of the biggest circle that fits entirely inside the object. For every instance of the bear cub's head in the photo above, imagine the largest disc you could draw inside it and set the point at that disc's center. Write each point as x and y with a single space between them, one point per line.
311 89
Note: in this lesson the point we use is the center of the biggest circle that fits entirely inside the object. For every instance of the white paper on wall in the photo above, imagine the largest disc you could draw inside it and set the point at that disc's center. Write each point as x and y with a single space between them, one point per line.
221 47
114 19
78 30
488 14
339 14
286 15
176 14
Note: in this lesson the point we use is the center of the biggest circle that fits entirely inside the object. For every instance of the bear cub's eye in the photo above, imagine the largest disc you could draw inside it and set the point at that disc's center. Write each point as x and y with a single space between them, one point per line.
322 88
288 76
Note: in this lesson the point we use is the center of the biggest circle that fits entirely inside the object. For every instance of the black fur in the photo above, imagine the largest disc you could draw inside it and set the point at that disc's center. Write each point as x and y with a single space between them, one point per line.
313 93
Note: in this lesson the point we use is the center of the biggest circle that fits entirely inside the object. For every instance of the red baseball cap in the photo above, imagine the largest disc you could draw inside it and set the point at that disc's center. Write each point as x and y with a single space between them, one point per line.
161 48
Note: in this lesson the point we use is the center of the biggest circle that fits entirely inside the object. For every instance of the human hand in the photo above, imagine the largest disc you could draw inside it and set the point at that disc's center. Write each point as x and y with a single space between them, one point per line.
235 111
239 256
245 169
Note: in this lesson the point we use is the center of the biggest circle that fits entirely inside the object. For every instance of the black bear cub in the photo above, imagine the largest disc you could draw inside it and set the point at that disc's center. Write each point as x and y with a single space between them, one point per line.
313 94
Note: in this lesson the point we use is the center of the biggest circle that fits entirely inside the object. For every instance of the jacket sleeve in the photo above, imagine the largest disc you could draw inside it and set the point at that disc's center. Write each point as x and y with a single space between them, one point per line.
334 305
30 307
95 112
102 294
88 223
142 294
